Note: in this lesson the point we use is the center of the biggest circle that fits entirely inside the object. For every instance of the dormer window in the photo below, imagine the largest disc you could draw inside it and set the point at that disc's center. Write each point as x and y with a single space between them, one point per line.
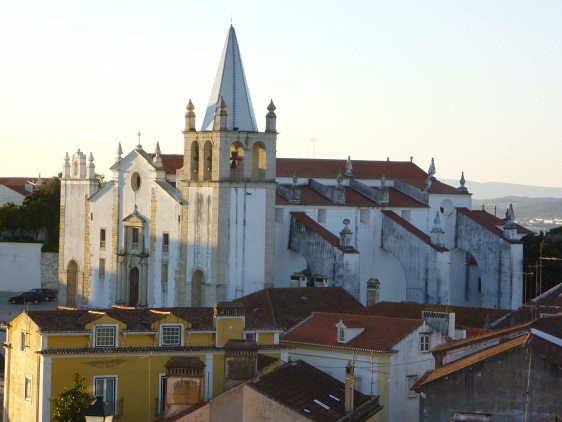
341 334
105 336
171 335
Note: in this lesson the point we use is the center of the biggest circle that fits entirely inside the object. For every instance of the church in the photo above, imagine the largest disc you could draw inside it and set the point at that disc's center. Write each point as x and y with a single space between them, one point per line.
228 218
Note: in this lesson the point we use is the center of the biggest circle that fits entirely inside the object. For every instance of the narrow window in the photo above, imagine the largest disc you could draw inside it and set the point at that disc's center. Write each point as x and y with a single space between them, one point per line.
162 395
279 215
106 387
410 381
105 336
250 336
165 242
135 240
341 334
322 215
102 238
27 387
424 343
364 216
22 341
358 383
102 268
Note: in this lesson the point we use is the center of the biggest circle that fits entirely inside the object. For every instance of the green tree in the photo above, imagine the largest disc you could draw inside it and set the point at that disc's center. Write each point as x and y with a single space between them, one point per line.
45 196
9 218
70 404
548 246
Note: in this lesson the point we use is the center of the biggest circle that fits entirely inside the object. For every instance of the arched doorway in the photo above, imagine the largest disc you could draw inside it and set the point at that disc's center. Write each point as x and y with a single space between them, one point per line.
134 287
197 286
71 284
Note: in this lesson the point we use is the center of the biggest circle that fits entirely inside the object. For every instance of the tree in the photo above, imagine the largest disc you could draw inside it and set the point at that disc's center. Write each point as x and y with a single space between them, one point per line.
43 204
71 403
9 218
543 273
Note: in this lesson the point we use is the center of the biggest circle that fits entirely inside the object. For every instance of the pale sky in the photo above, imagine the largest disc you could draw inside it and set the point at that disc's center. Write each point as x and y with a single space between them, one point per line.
475 84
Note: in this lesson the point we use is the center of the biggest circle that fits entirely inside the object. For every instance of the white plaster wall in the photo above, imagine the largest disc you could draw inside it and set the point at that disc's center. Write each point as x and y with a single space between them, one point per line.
20 265
8 195
246 257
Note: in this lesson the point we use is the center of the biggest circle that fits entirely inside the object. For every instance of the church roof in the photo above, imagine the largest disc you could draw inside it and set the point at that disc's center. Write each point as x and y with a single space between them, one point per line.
405 171
231 85
17 184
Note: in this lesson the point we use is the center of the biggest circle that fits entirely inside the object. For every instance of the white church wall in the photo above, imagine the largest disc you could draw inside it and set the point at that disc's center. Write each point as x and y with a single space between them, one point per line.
8 195
21 266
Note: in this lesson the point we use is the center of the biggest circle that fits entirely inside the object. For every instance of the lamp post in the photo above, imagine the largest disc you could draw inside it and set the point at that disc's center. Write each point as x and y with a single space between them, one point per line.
99 411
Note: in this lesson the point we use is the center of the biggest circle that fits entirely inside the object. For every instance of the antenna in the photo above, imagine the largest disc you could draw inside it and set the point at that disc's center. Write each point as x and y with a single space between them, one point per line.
313 142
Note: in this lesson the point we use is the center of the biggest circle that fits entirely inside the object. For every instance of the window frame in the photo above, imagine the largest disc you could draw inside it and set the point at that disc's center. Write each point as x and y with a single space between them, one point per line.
102 237
101 268
341 334
410 381
251 335
168 326
135 236
425 346
162 395
105 378
165 242
23 341
100 327
28 387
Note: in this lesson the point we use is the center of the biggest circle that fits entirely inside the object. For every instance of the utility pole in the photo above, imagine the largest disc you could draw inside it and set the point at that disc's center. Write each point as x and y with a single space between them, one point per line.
541 259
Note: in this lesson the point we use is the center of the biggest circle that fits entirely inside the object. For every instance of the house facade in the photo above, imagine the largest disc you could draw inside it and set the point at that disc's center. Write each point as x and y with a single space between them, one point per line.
388 355
125 353
228 218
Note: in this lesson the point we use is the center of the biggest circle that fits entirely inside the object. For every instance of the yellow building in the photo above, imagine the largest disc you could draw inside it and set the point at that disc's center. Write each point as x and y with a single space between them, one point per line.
122 352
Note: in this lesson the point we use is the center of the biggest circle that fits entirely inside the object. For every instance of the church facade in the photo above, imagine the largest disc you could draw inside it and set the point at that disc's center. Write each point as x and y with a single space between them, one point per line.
228 218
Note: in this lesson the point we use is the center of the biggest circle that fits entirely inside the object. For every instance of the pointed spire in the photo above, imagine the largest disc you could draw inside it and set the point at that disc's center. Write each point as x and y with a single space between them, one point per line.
431 172
157 159
509 228
295 178
119 153
437 233
348 167
230 83
91 168
221 116
271 118
190 116
66 166
462 188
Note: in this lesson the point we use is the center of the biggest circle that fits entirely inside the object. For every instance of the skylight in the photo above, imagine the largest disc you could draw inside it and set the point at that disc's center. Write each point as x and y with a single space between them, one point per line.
325 406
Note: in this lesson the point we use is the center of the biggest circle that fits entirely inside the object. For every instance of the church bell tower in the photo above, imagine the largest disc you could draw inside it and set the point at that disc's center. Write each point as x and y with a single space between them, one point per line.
228 180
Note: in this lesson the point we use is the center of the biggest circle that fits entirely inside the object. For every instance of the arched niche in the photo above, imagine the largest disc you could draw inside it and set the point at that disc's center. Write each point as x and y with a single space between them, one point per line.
258 161
194 164
197 288
134 278
208 163
236 161
72 284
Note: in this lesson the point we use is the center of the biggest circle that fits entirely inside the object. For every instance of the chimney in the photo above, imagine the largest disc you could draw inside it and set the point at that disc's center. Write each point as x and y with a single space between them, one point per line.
349 391
373 291
298 280
240 362
184 384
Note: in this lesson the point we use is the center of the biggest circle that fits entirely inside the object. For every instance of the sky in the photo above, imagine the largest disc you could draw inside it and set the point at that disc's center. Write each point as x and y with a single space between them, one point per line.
475 84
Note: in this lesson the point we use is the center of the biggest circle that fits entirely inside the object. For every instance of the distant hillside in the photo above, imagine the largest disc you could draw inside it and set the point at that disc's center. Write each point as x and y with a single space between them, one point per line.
502 190
524 208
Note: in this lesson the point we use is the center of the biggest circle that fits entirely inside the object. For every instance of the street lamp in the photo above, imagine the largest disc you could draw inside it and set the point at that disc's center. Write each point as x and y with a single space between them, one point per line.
99 411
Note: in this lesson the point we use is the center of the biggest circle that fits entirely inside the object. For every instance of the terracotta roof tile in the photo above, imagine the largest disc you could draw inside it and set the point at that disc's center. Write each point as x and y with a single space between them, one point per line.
380 334
483 219
285 307
17 184
471 360
404 171
464 315
412 229
492 219
352 199
172 162
309 392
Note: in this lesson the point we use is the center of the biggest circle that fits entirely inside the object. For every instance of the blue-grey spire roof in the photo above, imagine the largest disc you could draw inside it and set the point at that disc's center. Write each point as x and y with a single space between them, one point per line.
230 84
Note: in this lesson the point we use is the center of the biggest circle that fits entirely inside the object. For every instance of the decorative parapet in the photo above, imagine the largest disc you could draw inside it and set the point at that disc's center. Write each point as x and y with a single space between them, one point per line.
335 194
291 194
411 191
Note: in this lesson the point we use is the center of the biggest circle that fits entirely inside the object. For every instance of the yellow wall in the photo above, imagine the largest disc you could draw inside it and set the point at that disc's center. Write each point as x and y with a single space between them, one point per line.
204 339
229 329
218 374
266 338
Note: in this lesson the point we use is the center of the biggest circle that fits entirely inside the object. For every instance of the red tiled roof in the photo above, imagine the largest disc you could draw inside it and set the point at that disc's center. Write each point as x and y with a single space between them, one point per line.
324 233
311 392
172 162
405 171
74 320
483 220
412 229
285 307
464 315
492 219
471 360
380 334
352 199
17 184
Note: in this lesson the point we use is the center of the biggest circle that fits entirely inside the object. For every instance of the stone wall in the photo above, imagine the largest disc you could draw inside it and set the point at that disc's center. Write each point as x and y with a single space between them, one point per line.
50 270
